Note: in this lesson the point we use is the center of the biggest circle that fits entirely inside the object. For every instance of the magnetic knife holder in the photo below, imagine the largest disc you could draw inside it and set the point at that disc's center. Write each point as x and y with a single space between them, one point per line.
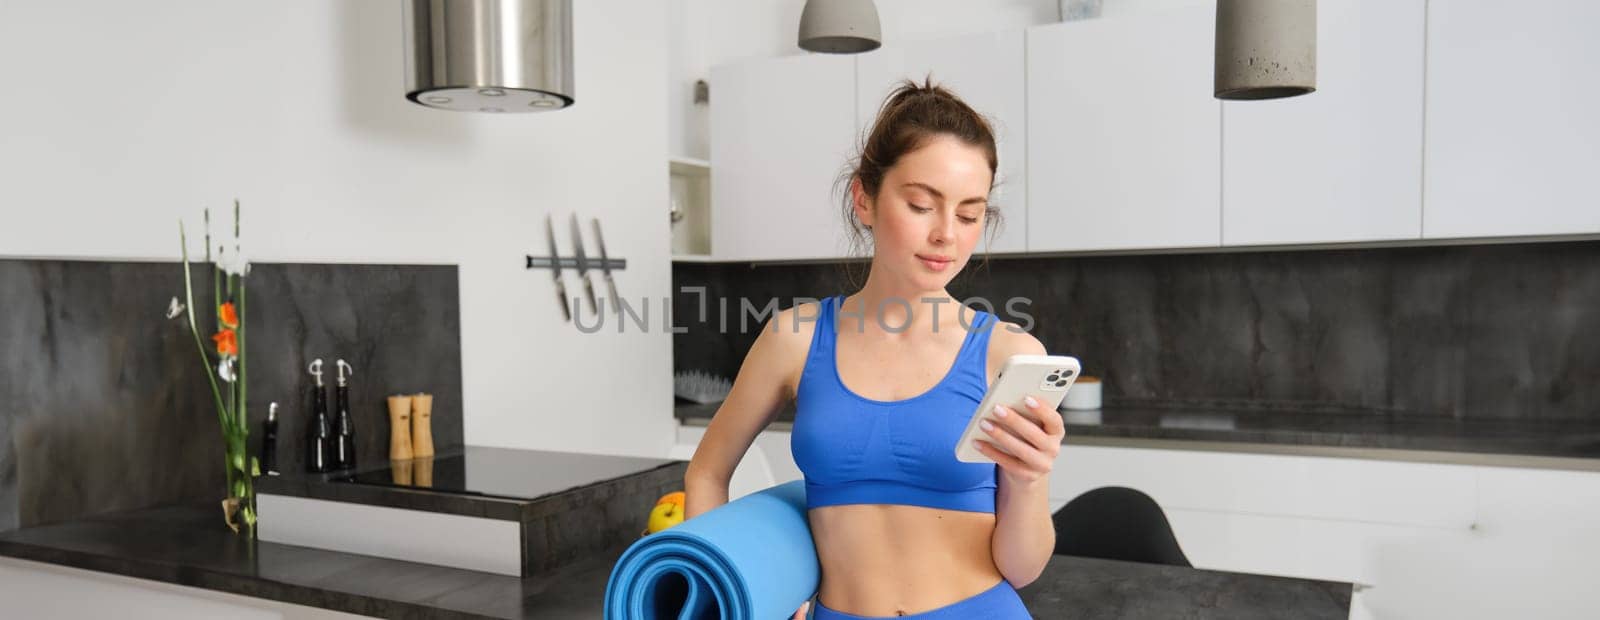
571 262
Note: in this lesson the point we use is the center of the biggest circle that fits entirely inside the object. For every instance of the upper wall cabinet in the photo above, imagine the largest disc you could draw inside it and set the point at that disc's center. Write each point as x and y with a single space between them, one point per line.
781 130
1343 163
1513 137
1123 133
987 72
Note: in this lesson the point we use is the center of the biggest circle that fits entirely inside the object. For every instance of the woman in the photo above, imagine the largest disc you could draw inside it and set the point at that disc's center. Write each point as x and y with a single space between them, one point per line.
884 382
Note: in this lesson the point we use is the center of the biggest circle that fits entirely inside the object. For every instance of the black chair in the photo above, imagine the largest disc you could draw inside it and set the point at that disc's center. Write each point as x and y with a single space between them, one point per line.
1117 523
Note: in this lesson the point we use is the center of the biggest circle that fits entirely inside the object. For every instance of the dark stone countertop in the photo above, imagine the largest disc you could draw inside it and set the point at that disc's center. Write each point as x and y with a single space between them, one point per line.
1578 439
567 505
188 545
506 484
1074 587
1286 427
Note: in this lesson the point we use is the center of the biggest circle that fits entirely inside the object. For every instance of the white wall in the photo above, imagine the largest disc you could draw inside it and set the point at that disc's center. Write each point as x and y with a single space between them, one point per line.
118 118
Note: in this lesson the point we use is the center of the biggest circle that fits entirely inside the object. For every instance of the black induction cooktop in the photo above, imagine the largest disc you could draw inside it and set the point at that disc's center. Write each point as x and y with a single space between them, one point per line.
502 472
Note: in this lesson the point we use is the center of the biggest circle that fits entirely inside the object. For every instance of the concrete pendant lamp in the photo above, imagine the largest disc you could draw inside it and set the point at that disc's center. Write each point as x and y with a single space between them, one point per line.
840 26
1266 49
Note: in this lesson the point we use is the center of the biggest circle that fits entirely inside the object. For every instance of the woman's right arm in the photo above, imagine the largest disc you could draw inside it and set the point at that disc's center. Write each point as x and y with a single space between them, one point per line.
763 385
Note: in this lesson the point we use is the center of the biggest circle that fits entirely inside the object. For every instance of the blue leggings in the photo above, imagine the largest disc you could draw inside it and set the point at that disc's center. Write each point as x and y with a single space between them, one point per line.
997 603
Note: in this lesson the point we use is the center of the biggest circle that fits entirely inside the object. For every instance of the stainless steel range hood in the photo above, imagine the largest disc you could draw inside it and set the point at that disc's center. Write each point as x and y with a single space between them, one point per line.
489 55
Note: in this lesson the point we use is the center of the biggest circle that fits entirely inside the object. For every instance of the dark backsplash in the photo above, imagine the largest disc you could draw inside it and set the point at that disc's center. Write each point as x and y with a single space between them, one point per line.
103 404
1488 331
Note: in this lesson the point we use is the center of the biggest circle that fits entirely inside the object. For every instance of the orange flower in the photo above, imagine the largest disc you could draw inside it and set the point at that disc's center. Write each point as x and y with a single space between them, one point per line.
229 316
227 342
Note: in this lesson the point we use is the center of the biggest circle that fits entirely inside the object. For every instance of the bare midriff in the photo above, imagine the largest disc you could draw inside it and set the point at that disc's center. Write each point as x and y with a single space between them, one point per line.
893 560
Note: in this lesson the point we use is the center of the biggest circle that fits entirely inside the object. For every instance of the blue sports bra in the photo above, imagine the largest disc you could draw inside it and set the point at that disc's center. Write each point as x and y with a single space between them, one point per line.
857 450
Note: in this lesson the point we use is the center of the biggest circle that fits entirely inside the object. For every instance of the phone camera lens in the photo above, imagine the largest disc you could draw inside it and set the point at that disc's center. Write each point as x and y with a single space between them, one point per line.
1061 383
1052 378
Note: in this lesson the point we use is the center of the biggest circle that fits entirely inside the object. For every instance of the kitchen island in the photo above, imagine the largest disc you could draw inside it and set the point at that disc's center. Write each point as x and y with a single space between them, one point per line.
188 545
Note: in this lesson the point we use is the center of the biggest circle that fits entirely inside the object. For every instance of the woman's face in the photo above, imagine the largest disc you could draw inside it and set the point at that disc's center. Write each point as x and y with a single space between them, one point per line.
928 216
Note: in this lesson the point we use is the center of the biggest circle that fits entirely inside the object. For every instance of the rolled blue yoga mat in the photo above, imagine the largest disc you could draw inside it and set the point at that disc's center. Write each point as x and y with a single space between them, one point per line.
751 558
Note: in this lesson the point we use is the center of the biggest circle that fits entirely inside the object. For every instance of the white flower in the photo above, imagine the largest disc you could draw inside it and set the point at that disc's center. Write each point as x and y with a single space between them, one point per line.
235 264
174 308
225 370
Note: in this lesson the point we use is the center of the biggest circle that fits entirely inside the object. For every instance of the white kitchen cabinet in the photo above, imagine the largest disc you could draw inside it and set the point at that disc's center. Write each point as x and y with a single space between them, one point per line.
1123 133
1332 549
1513 140
1344 163
1325 488
1294 516
1414 535
986 71
781 130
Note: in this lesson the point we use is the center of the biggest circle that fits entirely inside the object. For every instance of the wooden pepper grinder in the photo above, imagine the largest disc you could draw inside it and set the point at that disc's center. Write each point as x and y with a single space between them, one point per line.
422 425
423 466
399 428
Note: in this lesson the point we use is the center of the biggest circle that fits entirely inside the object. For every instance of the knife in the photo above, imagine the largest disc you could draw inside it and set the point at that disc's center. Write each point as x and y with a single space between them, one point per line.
555 266
583 265
605 263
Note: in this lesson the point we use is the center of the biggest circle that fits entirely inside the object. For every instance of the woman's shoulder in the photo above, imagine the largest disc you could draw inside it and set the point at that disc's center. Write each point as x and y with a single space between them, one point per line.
785 342
797 322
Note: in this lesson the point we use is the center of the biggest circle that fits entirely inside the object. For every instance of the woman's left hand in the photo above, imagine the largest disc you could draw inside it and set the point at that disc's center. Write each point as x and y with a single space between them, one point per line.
1032 446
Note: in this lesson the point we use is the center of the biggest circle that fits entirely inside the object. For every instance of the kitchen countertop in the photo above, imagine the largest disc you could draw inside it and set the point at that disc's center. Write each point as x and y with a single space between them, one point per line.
495 483
1363 430
188 545
1567 444
566 505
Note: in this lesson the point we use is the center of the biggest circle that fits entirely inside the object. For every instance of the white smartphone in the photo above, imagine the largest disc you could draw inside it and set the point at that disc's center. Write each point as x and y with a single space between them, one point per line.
1044 377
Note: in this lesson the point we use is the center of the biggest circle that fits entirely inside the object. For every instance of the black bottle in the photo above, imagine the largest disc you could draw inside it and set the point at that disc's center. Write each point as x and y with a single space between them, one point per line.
319 433
269 442
344 454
